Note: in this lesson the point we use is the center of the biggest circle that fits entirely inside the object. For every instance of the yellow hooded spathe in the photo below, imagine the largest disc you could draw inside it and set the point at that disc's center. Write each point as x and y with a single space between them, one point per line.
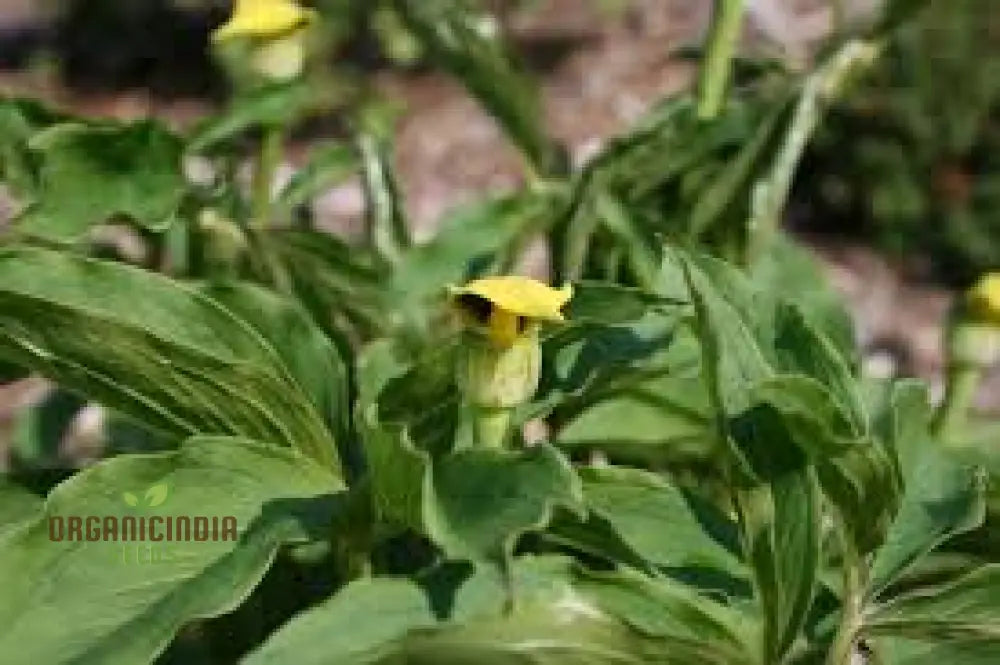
515 305
520 296
264 19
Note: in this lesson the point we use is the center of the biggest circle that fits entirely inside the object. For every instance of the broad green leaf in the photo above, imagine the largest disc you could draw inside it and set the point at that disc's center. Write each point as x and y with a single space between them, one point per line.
17 504
751 344
483 500
107 602
331 633
637 403
781 530
271 105
610 304
473 503
89 174
905 651
965 609
151 348
311 358
20 120
790 271
942 496
398 471
561 617
461 41
649 517
329 164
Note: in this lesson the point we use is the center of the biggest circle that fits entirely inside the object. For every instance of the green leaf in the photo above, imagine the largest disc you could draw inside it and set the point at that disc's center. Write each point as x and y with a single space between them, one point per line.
903 651
474 503
561 618
331 633
751 345
272 105
483 500
942 496
311 358
20 121
329 164
781 531
610 304
620 392
17 505
340 285
456 38
648 516
789 270
89 174
151 348
122 602
388 230
966 609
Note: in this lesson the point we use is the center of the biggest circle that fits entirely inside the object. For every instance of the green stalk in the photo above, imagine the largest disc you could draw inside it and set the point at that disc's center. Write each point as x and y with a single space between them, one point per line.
491 427
716 69
852 611
268 160
952 415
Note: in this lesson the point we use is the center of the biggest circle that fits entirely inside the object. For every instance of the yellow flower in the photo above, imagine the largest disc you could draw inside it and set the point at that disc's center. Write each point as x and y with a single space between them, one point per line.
264 19
984 299
510 307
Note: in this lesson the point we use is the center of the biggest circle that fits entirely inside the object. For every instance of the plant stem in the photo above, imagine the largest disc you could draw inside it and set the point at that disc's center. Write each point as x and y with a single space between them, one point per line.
268 160
491 427
951 416
842 650
716 69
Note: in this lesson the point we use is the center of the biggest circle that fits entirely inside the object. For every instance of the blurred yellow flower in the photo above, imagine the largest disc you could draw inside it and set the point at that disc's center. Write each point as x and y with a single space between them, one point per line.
511 306
264 19
984 299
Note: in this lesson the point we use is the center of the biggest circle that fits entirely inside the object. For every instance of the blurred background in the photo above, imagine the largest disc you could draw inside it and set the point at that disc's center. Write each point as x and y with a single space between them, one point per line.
899 193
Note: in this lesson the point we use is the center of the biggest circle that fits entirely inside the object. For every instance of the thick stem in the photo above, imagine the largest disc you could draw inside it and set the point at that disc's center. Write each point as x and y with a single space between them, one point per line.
951 416
716 69
268 160
491 427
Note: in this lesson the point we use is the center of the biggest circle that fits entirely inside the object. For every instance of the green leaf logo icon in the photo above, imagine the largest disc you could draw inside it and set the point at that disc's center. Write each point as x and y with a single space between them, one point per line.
156 495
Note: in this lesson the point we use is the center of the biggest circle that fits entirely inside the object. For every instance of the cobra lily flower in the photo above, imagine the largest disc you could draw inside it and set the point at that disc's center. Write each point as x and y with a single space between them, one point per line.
264 19
501 361
277 30
510 307
984 299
